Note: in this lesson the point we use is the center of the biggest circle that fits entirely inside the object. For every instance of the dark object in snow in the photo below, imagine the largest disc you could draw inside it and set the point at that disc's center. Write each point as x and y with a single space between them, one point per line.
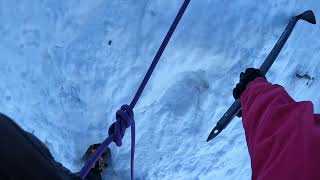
103 162
110 42
236 107
304 76
307 77
24 156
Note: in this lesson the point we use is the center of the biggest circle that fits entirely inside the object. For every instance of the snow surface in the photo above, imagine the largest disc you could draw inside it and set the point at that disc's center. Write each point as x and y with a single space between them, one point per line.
61 80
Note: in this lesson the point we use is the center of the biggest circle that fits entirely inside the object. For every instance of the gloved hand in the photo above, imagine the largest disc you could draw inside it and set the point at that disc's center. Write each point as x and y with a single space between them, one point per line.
245 78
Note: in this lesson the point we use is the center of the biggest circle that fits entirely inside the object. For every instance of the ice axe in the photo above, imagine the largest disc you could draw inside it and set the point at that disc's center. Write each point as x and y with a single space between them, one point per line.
234 109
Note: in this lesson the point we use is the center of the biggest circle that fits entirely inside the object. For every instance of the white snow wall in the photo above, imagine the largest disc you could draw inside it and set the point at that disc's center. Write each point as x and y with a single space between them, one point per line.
61 80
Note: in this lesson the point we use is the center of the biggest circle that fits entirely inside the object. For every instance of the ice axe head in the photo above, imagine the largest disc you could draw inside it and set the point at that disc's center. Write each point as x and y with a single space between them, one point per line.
308 16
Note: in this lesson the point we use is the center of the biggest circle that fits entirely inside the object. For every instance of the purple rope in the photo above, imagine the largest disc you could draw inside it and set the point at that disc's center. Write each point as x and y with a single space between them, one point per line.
125 116
160 52
125 119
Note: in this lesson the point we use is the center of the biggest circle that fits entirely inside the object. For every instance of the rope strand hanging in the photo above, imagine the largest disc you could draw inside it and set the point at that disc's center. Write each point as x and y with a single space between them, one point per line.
125 116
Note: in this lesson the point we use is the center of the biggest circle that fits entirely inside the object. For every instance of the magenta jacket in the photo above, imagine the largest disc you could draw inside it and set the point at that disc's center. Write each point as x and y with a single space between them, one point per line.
283 136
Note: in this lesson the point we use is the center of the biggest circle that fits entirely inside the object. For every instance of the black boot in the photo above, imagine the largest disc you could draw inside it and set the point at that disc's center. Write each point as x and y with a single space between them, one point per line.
101 164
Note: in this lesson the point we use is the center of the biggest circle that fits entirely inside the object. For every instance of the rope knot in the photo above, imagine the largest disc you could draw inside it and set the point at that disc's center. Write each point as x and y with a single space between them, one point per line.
124 119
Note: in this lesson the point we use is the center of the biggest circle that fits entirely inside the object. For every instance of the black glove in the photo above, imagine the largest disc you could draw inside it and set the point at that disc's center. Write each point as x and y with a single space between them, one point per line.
245 78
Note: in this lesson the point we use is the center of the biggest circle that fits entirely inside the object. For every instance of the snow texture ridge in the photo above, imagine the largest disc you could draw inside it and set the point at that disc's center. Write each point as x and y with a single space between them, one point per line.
68 66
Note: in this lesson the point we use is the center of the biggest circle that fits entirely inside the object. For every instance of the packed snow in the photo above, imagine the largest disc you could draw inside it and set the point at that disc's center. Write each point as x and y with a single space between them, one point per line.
67 67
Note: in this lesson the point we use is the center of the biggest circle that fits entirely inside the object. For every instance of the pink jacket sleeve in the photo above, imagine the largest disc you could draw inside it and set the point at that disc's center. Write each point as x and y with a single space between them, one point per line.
283 136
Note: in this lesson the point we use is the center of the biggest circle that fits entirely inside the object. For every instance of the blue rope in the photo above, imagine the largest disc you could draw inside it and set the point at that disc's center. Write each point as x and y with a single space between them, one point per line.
125 116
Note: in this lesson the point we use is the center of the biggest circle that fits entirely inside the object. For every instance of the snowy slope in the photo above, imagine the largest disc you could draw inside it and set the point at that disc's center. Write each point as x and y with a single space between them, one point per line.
67 67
